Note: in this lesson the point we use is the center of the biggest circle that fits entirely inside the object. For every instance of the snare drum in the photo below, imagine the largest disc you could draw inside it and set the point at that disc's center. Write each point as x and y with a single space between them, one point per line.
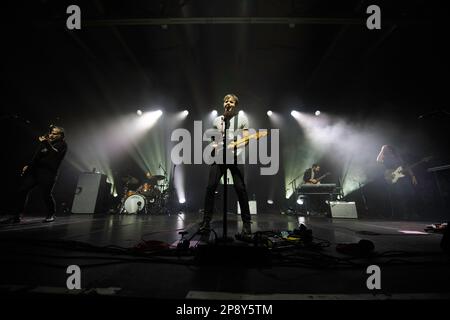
135 203
130 193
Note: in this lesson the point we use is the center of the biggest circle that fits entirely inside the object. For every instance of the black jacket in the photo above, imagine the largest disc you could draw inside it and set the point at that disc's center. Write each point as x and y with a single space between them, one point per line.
49 156
307 175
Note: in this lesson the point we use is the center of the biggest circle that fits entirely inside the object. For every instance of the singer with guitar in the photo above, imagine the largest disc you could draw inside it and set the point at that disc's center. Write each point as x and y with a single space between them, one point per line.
400 182
42 171
231 122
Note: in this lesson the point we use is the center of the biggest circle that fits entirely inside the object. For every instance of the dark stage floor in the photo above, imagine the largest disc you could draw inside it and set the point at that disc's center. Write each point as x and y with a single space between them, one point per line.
35 257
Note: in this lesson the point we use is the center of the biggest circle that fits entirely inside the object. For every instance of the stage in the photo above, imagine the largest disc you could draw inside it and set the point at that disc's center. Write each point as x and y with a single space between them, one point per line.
35 257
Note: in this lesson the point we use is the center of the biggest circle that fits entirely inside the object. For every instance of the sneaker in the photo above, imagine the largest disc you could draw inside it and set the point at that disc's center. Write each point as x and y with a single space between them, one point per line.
11 220
49 219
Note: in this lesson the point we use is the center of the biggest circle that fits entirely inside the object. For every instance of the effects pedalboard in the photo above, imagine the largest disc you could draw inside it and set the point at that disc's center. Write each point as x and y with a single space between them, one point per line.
278 239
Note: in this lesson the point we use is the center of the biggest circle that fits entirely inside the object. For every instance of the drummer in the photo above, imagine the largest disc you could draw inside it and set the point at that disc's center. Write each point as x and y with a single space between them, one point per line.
150 186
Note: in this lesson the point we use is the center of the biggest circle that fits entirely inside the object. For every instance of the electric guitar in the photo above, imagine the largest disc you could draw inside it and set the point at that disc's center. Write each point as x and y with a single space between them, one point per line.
318 179
238 144
393 175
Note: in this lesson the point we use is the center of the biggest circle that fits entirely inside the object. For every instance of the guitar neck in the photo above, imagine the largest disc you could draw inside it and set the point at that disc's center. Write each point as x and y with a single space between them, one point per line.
414 164
321 177
245 139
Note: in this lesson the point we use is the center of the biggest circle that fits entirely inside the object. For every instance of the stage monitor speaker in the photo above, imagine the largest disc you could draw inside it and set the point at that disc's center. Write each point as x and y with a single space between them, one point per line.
341 209
251 204
91 193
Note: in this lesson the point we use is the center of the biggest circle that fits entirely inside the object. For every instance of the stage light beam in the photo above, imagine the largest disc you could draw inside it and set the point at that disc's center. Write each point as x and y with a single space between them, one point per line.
295 114
148 119
269 113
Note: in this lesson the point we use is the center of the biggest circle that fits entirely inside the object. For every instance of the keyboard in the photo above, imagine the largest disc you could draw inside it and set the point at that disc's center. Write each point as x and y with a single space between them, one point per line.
325 188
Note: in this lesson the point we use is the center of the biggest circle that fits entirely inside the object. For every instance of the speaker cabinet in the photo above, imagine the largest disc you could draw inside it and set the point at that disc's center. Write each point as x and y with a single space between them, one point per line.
91 193
343 210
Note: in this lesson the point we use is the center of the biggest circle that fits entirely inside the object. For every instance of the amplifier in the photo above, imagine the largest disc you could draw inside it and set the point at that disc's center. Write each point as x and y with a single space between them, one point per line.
91 193
341 209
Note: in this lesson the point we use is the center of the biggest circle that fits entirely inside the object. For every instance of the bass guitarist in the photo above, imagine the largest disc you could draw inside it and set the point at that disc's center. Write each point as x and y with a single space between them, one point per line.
400 194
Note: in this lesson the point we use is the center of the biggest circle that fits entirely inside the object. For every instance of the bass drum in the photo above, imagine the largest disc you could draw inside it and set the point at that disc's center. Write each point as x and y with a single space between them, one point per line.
153 196
135 204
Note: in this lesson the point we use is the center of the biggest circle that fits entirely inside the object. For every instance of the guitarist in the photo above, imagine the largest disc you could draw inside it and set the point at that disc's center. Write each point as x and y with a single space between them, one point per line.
232 121
315 204
311 174
400 194
42 172
391 160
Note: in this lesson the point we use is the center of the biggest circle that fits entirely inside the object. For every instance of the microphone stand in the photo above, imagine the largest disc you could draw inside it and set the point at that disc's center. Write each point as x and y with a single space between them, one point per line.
225 237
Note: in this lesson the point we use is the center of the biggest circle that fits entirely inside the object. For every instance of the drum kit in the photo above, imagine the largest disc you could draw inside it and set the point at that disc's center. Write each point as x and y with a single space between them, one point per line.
148 198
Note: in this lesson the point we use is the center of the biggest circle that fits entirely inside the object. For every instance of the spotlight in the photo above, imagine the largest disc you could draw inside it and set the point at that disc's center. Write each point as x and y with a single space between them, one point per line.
182 200
139 113
295 113
214 113
185 113
317 113
300 201
159 113
269 113
270 201
241 112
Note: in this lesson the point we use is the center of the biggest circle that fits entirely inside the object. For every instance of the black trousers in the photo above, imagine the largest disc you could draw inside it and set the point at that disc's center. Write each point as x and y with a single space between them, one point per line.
402 201
216 171
38 178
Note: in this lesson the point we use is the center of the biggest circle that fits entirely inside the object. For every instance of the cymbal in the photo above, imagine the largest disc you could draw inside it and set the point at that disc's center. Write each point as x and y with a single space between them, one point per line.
130 180
154 179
